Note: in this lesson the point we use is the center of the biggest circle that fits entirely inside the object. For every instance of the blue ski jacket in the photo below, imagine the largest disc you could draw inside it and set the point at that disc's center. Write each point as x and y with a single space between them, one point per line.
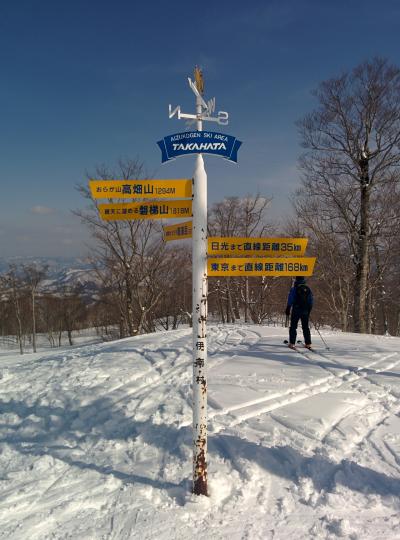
292 298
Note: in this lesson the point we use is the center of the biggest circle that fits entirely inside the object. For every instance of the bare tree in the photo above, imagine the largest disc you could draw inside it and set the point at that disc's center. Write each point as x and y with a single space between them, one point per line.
240 217
33 275
127 257
175 304
14 289
52 318
72 309
352 142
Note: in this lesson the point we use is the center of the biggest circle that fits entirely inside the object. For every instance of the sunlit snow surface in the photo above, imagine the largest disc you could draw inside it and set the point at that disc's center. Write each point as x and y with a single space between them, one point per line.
95 441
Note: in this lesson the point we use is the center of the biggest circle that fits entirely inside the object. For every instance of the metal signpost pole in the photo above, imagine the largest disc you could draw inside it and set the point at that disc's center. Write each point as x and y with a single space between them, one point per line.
171 147
199 316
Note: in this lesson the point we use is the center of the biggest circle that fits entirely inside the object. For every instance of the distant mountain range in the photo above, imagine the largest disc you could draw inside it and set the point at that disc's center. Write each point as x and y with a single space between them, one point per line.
61 272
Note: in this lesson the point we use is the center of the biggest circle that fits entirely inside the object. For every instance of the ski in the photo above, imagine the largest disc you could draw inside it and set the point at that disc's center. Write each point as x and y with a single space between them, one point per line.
301 350
294 348
299 342
315 351
311 349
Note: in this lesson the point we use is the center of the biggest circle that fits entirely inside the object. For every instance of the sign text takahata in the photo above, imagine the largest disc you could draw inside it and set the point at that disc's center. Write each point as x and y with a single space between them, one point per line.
199 142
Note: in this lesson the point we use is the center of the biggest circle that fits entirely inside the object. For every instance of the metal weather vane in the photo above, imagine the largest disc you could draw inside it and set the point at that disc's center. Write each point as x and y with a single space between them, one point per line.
207 108
199 80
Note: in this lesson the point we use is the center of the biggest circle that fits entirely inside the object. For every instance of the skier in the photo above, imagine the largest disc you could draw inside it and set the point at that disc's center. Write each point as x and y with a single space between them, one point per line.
300 301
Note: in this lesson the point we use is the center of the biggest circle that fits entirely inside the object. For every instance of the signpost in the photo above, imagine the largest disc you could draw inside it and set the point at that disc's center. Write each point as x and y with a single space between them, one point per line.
258 256
179 144
141 189
269 247
242 246
285 266
193 142
178 231
145 210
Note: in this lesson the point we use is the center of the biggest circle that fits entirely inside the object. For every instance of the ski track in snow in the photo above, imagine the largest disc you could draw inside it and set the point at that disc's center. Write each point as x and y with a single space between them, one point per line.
95 441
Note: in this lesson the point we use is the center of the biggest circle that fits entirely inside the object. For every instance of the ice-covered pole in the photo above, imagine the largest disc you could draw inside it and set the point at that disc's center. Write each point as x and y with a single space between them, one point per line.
199 254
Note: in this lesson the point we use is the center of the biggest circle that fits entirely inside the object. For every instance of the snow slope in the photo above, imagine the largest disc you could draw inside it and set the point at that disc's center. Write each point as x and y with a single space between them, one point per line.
95 441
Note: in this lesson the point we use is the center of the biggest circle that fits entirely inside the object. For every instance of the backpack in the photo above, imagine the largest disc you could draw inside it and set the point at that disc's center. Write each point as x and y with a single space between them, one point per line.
302 298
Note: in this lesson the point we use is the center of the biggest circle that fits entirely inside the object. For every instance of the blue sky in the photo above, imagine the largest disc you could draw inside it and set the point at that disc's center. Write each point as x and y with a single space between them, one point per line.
88 82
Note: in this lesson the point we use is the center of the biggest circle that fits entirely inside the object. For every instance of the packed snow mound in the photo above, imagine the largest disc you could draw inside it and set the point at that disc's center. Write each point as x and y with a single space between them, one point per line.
96 441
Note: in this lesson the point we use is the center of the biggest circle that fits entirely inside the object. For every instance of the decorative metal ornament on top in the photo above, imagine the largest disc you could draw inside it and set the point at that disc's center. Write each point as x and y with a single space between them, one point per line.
199 142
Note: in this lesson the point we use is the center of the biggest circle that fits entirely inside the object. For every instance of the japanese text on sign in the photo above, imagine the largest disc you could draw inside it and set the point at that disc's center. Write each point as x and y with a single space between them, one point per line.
257 246
145 210
261 267
140 189
177 232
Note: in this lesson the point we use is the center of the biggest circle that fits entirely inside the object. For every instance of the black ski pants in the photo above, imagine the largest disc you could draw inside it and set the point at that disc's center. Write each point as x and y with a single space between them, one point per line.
303 315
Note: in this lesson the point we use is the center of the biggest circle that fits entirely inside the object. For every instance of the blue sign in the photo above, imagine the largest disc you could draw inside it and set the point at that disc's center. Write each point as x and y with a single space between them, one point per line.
199 142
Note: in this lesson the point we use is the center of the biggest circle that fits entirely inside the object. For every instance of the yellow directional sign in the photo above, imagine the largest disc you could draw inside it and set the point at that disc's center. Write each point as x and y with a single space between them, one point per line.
271 247
141 189
285 266
145 210
178 231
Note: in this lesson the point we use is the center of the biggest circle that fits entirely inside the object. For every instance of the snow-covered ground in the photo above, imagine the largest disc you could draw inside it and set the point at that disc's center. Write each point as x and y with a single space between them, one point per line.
95 441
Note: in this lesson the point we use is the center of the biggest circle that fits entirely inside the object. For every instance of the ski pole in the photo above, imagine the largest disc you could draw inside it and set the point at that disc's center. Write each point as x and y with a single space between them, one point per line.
326 346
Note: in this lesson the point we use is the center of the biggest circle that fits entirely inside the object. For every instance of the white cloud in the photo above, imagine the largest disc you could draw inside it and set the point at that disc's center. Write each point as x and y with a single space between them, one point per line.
42 210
